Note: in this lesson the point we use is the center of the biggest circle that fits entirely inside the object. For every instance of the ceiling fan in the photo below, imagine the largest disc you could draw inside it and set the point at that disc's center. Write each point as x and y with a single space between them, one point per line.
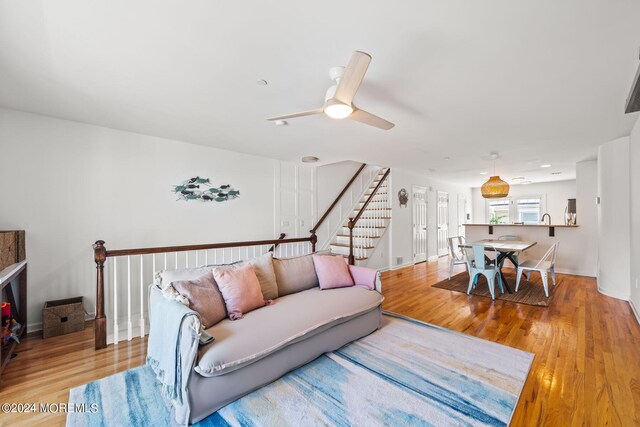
338 101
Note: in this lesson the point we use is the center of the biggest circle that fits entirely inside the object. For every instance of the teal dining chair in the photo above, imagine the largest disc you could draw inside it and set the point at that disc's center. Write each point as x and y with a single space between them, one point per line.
478 264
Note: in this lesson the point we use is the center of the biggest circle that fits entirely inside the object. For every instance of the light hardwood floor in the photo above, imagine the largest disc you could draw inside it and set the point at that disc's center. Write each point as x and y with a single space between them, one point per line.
586 369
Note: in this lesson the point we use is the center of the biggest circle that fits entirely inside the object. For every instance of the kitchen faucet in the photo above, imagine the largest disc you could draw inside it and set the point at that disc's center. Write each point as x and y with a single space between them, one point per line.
542 220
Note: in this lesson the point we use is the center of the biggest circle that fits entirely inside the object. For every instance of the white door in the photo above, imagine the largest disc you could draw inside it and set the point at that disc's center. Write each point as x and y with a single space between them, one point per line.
443 222
419 224
462 213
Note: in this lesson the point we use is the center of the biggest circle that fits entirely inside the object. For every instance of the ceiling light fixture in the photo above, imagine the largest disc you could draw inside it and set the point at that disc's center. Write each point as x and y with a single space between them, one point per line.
518 178
545 165
261 82
309 159
337 110
556 173
281 122
494 188
525 182
483 173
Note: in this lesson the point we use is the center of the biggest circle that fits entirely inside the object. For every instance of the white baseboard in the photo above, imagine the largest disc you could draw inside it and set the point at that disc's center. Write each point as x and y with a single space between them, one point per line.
613 294
635 311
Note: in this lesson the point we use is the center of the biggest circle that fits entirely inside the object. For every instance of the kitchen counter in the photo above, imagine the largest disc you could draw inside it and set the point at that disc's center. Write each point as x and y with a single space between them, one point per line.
551 227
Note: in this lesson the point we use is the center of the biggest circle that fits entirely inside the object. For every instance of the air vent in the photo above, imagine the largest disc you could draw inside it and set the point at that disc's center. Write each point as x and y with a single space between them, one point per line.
633 102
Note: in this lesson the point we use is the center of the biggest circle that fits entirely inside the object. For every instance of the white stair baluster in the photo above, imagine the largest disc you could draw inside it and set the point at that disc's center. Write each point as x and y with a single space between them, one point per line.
197 265
153 267
141 296
165 260
129 322
115 301
206 257
176 257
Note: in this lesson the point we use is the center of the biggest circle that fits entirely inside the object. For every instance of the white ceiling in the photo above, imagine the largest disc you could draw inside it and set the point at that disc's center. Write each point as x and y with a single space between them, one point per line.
539 81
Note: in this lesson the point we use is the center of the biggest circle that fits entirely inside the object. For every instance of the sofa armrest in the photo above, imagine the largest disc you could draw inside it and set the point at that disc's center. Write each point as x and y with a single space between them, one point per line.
185 348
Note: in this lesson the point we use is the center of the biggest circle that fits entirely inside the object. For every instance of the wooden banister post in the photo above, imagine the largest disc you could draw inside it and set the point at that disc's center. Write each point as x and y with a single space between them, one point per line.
351 259
100 325
314 240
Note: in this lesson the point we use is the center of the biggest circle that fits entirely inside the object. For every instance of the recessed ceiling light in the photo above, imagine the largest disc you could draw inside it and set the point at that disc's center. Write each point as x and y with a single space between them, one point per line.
525 182
261 82
556 173
545 166
281 122
483 173
309 159
518 178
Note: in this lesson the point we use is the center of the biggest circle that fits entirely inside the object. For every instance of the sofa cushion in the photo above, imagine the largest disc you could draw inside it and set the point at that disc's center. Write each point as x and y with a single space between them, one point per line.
295 274
240 289
263 266
204 297
332 271
289 319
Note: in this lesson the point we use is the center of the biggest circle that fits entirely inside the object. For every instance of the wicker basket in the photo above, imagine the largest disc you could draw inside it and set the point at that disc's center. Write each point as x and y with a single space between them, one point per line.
62 317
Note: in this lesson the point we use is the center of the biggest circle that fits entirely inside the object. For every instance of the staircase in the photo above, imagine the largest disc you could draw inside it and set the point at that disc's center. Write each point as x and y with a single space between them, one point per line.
371 216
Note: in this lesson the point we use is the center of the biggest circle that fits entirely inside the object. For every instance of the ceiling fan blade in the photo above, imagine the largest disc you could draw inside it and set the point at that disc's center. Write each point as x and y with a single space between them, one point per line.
300 114
352 77
370 119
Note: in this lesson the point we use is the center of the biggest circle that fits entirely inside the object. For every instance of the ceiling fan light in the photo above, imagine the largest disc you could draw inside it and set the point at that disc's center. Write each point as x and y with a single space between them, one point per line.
494 188
337 110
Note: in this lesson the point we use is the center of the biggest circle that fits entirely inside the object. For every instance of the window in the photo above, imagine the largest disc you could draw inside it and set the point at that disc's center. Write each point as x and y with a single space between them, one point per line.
499 211
528 210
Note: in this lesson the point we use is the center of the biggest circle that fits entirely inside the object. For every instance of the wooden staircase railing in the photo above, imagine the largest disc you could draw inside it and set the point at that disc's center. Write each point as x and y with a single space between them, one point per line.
101 254
335 202
353 221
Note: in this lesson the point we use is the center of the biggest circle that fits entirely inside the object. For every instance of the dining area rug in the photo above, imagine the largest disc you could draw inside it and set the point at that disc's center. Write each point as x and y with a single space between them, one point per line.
530 292
406 373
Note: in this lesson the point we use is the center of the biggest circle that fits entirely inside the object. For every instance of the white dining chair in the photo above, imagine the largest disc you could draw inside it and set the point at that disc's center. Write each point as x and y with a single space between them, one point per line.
545 266
456 253
478 265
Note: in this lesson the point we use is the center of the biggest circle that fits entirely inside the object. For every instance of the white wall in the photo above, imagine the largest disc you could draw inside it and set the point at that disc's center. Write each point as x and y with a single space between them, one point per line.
69 184
331 180
585 238
555 195
634 191
613 219
402 227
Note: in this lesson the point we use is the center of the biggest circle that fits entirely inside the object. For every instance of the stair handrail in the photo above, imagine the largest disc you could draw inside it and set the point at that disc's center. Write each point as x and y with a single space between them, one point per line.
353 221
335 202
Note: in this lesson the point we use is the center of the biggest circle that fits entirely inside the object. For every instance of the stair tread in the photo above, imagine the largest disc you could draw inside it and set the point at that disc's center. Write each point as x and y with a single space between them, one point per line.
344 245
364 226
374 209
358 237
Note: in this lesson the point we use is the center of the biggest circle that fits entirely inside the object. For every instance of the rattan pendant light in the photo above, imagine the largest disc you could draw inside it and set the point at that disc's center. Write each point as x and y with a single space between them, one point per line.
494 188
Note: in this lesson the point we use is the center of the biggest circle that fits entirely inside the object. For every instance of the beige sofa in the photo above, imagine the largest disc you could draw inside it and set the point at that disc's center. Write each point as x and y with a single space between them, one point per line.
264 345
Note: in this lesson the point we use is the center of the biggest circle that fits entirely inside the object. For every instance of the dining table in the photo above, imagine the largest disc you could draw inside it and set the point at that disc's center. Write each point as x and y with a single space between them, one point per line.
506 250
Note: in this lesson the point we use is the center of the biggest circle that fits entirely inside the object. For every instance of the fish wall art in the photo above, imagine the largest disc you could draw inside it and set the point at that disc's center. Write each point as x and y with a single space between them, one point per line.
201 189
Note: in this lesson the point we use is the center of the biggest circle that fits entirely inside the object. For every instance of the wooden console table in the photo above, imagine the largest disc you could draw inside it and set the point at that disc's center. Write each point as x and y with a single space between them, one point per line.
18 306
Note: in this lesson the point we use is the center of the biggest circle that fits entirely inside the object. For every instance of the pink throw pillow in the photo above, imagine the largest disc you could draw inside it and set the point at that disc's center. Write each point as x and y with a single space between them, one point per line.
332 272
240 289
364 277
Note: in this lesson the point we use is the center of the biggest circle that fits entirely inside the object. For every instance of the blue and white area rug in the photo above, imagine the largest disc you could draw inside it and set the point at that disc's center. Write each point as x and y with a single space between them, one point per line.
406 373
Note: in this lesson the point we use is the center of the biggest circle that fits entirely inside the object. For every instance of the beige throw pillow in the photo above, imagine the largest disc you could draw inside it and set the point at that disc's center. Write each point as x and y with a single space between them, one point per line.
295 274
